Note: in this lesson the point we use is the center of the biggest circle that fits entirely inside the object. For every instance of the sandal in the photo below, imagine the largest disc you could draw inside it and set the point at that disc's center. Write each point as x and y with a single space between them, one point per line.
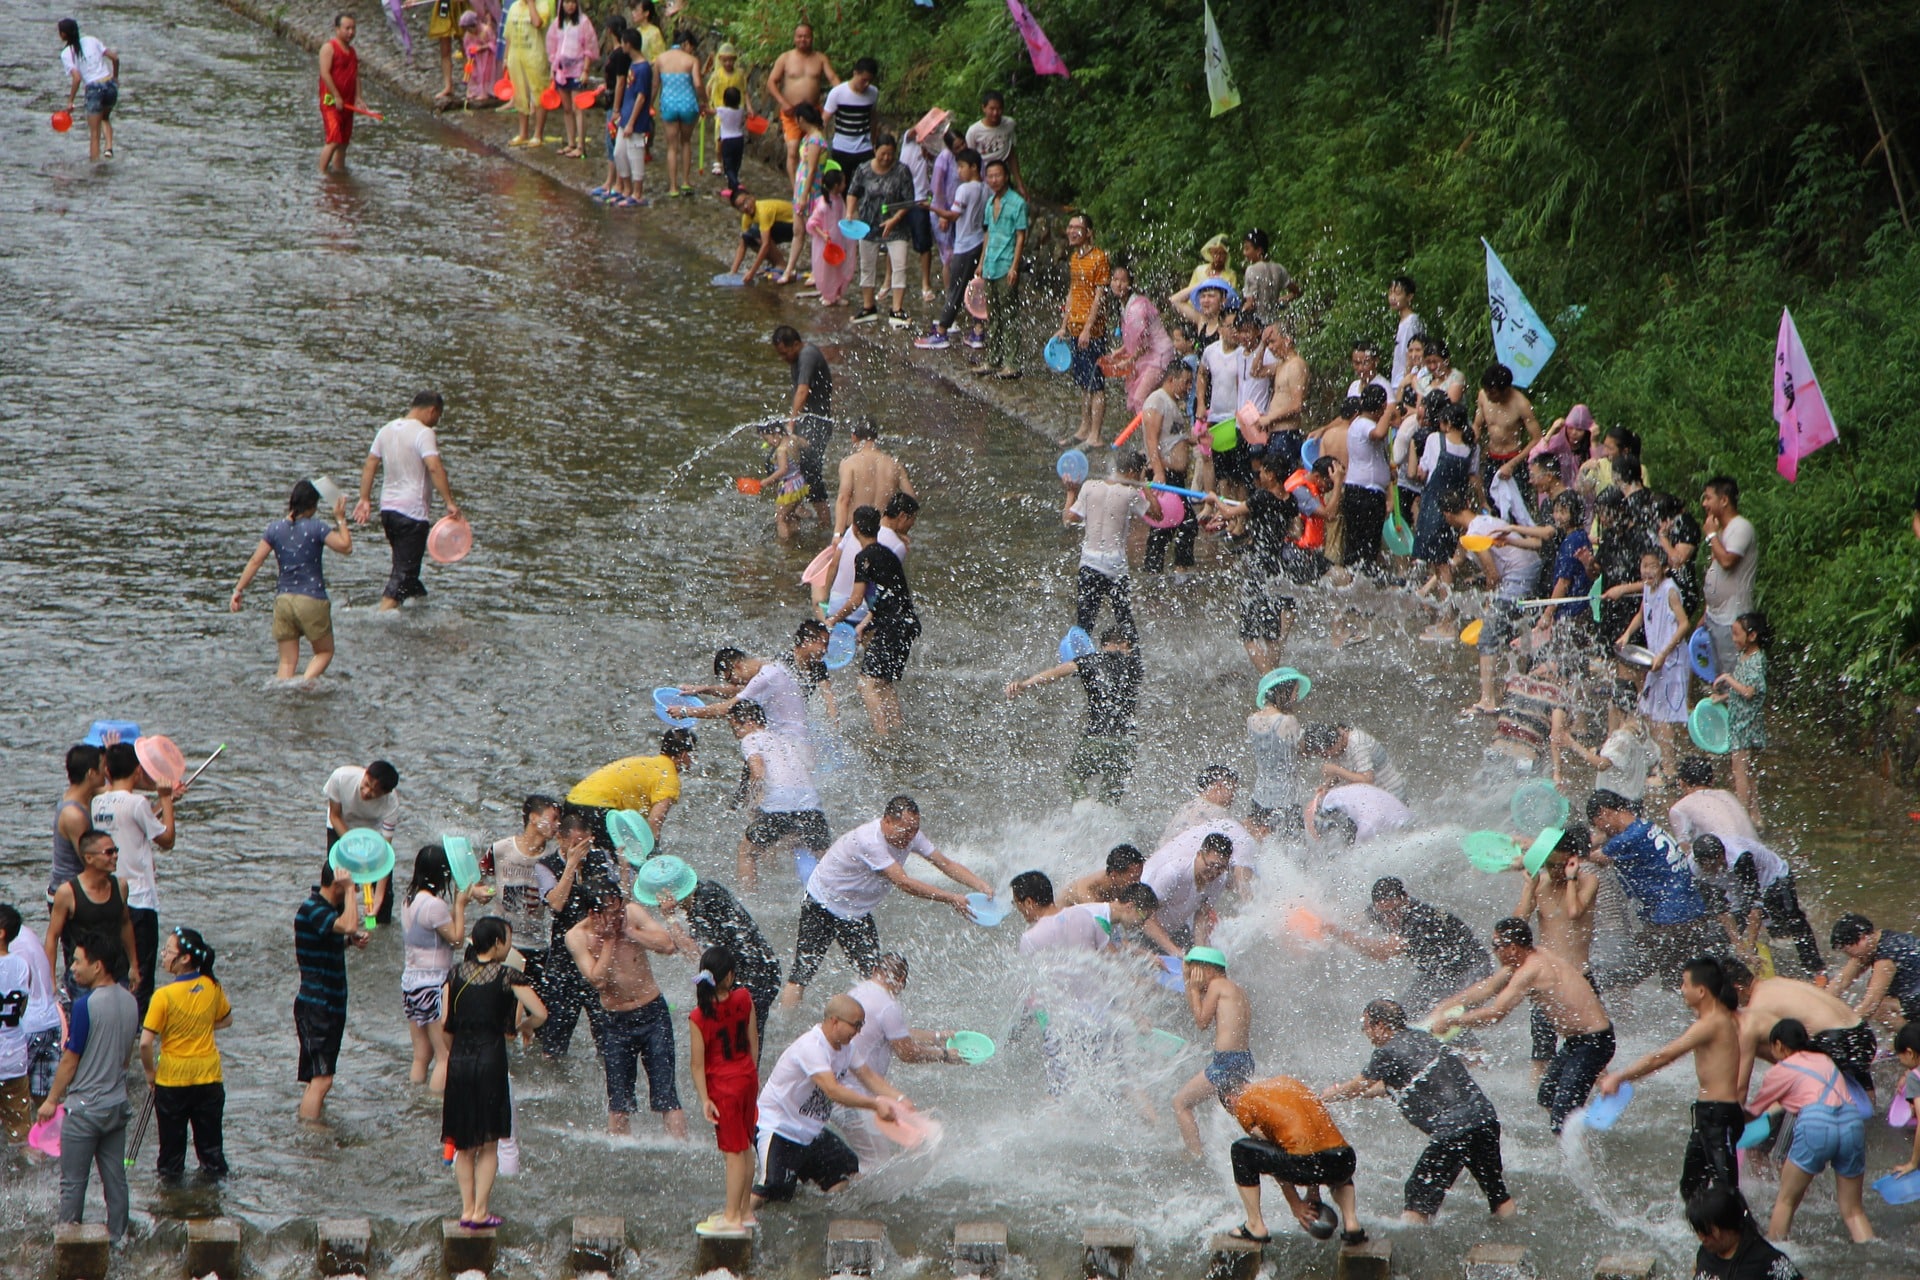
1244 1233
1352 1238
487 1223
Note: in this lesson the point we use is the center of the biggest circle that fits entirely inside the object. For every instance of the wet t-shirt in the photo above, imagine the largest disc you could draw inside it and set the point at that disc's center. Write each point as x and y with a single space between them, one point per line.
1112 681
1657 874
298 546
1903 949
1438 942
1430 1085
1269 520
888 596
1753 1259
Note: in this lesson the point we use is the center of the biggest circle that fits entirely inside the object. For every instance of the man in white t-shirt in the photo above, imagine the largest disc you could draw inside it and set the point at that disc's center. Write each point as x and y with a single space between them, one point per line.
780 790
855 876
1187 882
774 685
410 452
991 136
795 1103
1365 358
1105 507
360 799
1355 813
138 832
886 1036
1084 926
1400 298
43 1023
1733 551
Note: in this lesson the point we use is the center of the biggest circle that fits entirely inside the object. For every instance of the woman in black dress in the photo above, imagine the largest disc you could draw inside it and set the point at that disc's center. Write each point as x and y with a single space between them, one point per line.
484 1003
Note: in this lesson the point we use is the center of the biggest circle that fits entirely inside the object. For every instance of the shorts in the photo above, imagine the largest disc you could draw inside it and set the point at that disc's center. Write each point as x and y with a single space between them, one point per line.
16 1108
302 617
735 1098
102 95
791 127
1262 610
1085 369
782 234
632 1040
337 124
1829 1135
319 1030
1498 628
919 222
423 1002
850 160
1304 566
889 644
1253 1157
826 1162
808 825
43 1059
1571 1076
1852 1049
1227 1066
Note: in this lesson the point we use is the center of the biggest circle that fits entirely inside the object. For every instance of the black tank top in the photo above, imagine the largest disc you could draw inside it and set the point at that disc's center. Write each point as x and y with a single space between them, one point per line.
93 917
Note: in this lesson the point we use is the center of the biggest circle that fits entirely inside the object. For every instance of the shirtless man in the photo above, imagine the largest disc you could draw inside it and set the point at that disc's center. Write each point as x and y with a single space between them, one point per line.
1504 423
1561 900
635 1028
1560 992
1218 1002
1289 382
1714 1042
796 77
1123 869
869 477
1835 1029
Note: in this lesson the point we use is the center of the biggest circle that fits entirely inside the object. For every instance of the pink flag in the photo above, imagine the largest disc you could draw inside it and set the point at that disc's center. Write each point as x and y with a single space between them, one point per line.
1045 61
1798 406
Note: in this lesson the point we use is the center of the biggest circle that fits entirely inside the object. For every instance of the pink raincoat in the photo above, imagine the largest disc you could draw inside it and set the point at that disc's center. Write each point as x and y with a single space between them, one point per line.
1143 337
823 228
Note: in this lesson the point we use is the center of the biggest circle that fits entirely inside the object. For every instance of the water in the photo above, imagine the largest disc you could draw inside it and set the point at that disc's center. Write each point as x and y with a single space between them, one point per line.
202 322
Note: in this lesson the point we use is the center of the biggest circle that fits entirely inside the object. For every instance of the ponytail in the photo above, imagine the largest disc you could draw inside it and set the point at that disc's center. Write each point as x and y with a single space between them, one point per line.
196 949
488 933
716 966
1791 1034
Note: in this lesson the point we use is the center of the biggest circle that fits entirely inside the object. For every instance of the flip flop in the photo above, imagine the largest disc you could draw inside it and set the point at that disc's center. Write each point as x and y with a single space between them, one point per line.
1351 1238
1243 1232
487 1223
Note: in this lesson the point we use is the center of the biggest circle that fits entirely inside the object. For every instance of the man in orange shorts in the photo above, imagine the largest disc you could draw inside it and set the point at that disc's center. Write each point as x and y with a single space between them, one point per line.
339 92
801 74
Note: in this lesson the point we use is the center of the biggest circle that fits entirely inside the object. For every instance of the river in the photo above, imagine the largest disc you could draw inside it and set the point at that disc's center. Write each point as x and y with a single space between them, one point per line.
203 321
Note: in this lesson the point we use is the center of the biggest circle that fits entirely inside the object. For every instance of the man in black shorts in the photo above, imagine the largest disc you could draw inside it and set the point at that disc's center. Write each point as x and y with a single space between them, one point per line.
322 928
793 1141
811 414
880 582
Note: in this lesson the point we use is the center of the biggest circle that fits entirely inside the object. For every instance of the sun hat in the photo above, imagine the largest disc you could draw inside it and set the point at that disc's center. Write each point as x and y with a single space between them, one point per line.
727 50
664 874
1208 955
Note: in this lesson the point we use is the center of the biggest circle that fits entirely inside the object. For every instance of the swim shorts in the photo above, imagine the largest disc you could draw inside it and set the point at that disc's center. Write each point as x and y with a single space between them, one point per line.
295 617
319 1030
808 825
1085 369
734 1098
1228 1066
826 1162
888 646
337 123
420 991
791 127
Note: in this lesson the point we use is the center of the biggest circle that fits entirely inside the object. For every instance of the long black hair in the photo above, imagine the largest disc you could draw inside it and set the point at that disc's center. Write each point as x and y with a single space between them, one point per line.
488 933
432 873
196 949
716 966
70 36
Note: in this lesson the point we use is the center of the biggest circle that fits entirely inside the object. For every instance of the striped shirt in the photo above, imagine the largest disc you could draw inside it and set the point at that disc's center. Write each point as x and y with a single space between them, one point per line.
322 954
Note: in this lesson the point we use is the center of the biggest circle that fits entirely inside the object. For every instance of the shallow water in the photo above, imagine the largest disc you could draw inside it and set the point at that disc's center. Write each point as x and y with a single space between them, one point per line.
202 322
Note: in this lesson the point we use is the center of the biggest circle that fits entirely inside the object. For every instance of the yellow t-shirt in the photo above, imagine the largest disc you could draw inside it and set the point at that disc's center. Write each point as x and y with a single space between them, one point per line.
637 782
767 213
719 82
182 1014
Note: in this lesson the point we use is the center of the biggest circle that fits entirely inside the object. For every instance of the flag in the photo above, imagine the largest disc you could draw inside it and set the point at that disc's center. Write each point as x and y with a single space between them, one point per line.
1045 61
1519 338
1798 406
1220 87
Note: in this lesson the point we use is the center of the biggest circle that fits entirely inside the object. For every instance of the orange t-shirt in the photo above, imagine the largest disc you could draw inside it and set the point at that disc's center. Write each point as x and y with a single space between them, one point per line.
1088 273
1288 1114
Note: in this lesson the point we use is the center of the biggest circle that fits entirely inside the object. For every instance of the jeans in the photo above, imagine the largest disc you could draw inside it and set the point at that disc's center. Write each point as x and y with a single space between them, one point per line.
819 929
565 992
1570 1078
408 538
175 1107
1711 1156
1093 586
1780 911
963 266
1003 299
635 1039
95 1136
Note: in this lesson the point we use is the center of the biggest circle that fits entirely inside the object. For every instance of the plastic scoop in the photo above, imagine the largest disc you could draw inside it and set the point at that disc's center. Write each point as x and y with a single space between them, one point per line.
44 1136
1075 644
1700 655
908 1128
973 1047
585 98
1758 1130
449 540
985 911
842 642
833 253
1058 353
1476 542
161 759
665 697
854 229
1164 511
1490 851
550 99
1170 975
363 854
1537 805
503 88
974 297
749 485
1072 467
466 867
632 835
815 574
756 125
1708 726
1606 1107
1900 1113
1899 1188
1470 634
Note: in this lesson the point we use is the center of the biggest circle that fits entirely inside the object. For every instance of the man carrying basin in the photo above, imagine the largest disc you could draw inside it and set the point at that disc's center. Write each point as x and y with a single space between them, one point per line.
363 799
409 450
854 878
713 918
798 1098
886 1036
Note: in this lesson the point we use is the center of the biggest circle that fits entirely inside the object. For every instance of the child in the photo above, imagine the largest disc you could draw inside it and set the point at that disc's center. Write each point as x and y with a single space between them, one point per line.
1218 1002
725 1054
823 229
1906 1047
633 109
785 478
616 66
965 223
1744 691
571 44
479 39
1662 616
733 136
186 1079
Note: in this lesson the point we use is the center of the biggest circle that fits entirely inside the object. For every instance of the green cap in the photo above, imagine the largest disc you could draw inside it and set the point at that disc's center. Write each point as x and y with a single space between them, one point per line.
664 874
1208 955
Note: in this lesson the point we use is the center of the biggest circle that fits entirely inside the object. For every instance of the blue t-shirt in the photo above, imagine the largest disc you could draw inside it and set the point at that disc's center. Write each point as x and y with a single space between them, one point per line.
1567 565
299 544
1004 225
1655 873
639 88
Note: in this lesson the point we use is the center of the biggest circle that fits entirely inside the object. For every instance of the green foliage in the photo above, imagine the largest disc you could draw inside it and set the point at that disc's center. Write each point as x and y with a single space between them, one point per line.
1682 171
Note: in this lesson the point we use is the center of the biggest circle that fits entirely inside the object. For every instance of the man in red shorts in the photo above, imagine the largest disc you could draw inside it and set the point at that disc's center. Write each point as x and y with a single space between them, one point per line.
339 92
